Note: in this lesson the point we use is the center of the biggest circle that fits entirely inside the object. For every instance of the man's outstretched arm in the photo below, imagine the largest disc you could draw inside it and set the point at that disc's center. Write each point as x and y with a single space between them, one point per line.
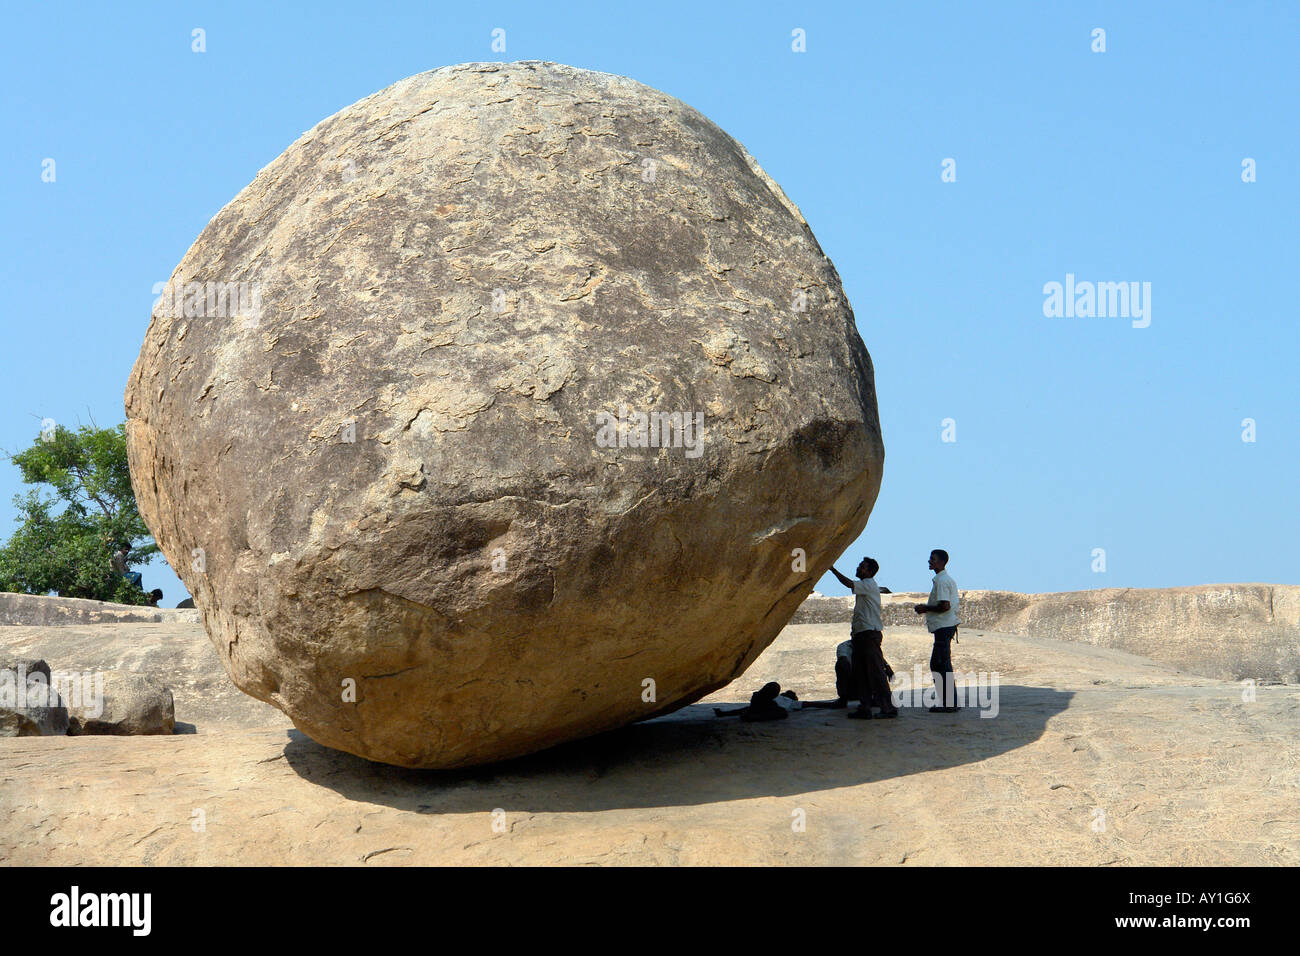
843 580
941 608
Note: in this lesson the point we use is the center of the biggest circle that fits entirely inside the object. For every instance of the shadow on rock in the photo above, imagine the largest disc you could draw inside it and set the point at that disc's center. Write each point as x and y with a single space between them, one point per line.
691 757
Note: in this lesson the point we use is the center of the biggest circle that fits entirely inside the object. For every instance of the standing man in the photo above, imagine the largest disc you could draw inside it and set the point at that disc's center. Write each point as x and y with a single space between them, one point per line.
941 621
868 659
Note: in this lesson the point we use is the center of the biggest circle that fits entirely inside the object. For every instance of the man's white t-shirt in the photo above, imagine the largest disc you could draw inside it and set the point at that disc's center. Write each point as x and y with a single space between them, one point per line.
943 589
785 703
866 605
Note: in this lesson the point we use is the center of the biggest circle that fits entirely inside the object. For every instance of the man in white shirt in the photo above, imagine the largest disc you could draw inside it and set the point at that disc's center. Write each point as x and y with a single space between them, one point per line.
866 633
941 620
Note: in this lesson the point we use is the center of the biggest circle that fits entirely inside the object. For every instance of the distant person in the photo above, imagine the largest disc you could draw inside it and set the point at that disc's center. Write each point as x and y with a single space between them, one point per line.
118 561
865 631
941 620
769 702
155 596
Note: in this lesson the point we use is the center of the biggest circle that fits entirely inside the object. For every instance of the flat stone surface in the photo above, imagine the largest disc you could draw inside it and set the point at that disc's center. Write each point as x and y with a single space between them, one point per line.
1184 771
40 609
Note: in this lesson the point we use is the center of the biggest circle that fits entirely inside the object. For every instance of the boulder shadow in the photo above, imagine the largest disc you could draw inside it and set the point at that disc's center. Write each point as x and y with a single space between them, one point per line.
691 757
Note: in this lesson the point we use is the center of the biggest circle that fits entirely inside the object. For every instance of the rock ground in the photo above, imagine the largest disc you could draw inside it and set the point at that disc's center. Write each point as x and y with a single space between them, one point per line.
1184 770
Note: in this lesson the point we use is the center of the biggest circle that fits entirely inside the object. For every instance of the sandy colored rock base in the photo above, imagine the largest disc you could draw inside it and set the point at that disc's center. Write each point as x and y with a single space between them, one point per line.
1184 771
39 609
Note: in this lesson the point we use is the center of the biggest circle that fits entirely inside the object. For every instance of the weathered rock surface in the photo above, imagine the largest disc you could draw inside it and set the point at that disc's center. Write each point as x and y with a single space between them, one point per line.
1225 631
393 472
41 610
30 705
129 704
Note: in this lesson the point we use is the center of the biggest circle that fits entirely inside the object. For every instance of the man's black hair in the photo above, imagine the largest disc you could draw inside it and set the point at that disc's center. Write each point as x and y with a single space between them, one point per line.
941 553
873 566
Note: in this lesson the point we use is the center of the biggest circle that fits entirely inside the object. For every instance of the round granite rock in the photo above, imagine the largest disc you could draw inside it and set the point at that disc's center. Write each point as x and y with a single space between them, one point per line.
511 404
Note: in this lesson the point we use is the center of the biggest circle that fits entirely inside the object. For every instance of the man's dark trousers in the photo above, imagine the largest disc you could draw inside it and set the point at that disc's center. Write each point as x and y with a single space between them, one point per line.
846 688
869 670
941 666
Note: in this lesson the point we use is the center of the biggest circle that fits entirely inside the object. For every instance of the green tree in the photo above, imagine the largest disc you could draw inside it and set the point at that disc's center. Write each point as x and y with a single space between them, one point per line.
65 542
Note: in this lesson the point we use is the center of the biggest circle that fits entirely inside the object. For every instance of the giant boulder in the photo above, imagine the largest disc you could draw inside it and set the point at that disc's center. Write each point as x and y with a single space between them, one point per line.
386 422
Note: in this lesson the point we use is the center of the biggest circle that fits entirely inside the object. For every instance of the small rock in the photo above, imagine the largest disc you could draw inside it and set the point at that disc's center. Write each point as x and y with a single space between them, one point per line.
131 705
25 701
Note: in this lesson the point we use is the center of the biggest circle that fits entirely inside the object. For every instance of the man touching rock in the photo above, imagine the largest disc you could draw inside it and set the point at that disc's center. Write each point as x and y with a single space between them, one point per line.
866 633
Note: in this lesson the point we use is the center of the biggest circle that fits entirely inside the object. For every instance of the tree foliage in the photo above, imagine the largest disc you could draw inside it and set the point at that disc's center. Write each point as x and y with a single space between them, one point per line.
65 541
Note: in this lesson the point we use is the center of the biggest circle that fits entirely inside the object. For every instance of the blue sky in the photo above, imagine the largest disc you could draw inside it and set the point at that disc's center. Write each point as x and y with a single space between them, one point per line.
1072 434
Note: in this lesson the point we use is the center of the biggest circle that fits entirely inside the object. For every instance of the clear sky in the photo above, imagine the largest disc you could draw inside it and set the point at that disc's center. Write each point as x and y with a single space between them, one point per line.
1071 433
